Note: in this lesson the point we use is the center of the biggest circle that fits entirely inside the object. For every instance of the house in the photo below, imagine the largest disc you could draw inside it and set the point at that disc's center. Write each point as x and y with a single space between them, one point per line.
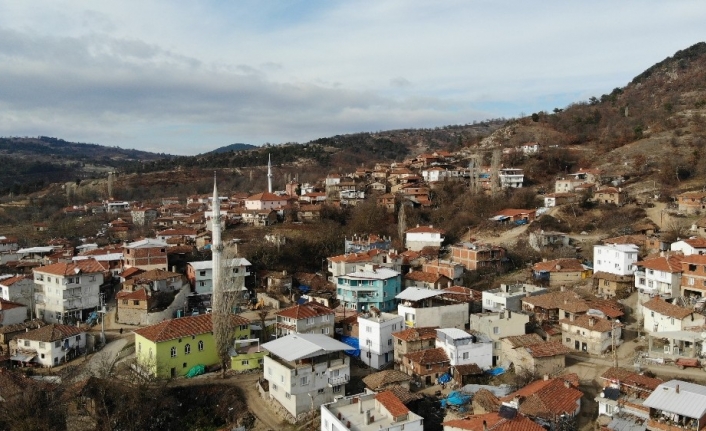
67 292
370 286
613 286
690 246
511 178
463 348
18 288
591 333
183 235
691 202
266 217
143 216
635 385
453 271
555 199
12 313
307 318
514 215
151 291
545 401
677 405
412 340
561 272
610 195
171 348
49 345
346 263
498 325
540 239
478 256
387 201
200 276
511 421
423 236
386 379
426 280
375 337
304 371
146 254
509 296
265 201
693 279
529 353
427 307
618 259
552 306
661 316
426 365
369 411
659 275
485 401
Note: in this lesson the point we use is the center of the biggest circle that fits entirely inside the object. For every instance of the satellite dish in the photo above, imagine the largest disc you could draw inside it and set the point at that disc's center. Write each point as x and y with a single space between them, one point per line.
703 335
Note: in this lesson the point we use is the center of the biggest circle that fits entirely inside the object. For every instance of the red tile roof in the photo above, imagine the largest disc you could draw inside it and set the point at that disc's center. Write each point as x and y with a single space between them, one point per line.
559 265
428 356
417 334
566 300
12 280
392 404
305 311
696 242
425 277
8 305
664 308
183 327
671 263
88 266
265 196
381 379
51 332
139 294
623 376
547 398
493 422
599 324
536 346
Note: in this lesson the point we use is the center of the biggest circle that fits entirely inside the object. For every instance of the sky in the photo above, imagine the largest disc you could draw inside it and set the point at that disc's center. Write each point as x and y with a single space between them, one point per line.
186 77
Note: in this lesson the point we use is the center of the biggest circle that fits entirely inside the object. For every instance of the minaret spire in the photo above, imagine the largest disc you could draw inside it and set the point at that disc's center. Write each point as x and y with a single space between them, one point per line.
269 173
216 246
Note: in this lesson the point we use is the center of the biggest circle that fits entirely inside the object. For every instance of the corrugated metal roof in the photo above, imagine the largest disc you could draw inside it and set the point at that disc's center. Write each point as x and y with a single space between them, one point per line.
455 333
377 274
300 346
690 401
417 294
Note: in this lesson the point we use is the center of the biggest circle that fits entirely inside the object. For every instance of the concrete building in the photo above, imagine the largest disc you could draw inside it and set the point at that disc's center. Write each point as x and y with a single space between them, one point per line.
561 272
690 246
146 254
369 411
591 334
677 405
200 276
305 371
67 292
618 259
693 279
412 340
661 316
370 286
498 325
265 201
423 236
430 307
463 348
509 296
308 318
18 288
12 313
659 276
475 255
511 178
375 331
452 270
50 345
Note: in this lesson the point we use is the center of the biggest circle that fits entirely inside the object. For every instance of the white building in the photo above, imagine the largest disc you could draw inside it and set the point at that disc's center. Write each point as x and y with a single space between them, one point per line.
426 307
12 313
17 289
511 178
117 206
265 201
305 371
659 276
66 292
618 259
50 345
509 296
375 337
498 325
423 236
369 411
661 316
463 348
690 246
200 275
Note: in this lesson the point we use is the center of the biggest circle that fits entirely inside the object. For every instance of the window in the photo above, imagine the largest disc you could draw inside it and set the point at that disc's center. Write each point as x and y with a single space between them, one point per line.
274 387
337 389
399 342
173 352
245 362
568 339
135 302
281 379
57 344
369 329
78 338
200 346
287 395
304 380
672 321
269 371
496 330
652 314
310 321
389 342
183 365
327 330
321 391
139 347
428 366
42 345
202 273
187 349
124 301
466 355
368 342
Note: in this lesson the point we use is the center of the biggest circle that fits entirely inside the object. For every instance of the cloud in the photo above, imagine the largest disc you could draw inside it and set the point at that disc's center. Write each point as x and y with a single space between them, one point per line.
400 82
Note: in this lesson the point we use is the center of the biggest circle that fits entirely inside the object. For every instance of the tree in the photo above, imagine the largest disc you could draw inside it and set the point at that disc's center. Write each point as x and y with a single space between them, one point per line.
226 296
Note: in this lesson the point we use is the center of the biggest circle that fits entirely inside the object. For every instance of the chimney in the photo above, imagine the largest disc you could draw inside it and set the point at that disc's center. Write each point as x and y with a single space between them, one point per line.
367 416
571 317
546 377
677 389
360 407
591 321
567 383
485 426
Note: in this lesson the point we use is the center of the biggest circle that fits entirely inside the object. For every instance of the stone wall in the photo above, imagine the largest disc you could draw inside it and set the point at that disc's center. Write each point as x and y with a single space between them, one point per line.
179 303
269 301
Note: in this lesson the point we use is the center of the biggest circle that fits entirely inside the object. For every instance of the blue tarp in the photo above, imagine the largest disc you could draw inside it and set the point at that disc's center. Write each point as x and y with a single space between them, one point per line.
301 301
304 288
496 371
353 342
444 378
455 398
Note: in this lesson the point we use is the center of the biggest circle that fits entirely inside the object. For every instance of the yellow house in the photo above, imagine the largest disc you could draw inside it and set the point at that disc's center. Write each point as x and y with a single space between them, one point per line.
171 348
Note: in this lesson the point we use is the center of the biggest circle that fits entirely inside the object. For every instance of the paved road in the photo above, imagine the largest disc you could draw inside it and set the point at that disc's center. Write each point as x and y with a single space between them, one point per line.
100 363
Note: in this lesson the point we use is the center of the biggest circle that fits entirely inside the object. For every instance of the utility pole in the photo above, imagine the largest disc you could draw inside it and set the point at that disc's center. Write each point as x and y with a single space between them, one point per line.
494 174
612 336
102 312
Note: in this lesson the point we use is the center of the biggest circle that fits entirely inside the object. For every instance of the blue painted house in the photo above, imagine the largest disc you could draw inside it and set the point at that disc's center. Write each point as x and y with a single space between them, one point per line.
369 286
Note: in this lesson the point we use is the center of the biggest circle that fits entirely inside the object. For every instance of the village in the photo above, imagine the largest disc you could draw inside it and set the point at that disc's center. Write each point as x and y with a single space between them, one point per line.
607 332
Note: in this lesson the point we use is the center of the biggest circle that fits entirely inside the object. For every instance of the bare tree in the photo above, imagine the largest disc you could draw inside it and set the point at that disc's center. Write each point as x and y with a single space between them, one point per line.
227 297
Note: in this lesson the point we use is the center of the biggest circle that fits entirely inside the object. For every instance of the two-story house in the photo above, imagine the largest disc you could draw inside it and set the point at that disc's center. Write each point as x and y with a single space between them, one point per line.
350 262
677 405
498 325
370 286
304 371
590 333
18 288
661 316
427 280
423 236
463 348
475 255
50 345
691 202
453 271
307 318
659 276
12 313
511 178
67 292
146 254
200 276
375 337
265 201
509 296
530 353
413 340
614 266
693 279
561 272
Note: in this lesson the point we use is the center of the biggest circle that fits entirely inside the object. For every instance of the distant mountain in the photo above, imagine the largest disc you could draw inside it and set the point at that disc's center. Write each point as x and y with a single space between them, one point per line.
232 147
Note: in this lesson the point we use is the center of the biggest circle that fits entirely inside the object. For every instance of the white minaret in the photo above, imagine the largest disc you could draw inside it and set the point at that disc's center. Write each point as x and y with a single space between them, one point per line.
216 246
269 173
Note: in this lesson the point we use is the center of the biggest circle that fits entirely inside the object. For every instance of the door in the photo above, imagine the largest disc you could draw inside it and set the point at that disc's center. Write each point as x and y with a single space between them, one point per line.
173 371
577 345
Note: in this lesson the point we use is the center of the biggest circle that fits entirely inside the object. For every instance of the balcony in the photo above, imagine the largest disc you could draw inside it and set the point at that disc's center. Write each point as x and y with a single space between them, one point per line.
339 380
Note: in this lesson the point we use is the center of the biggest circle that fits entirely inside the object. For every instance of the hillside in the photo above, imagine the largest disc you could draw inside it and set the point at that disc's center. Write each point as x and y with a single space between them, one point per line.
232 147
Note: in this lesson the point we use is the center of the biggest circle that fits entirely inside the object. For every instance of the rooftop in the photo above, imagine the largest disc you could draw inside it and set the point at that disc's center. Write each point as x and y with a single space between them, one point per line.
417 334
51 332
417 294
493 422
300 346
89 266
381 379
305 311
680 397
666 309
183 327
384 411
